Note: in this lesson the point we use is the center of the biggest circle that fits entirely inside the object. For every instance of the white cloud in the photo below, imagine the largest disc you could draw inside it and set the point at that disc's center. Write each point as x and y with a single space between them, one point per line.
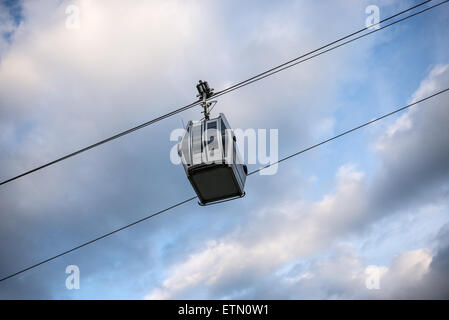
63 88
344 275
413 159
280 234
276 236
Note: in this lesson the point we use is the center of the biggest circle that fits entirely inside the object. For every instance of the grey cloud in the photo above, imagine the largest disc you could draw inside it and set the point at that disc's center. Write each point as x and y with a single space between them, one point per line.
435 284
295 229
60 90
415 161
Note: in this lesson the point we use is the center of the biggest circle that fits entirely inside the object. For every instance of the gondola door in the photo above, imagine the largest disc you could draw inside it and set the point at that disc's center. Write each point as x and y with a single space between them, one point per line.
212 137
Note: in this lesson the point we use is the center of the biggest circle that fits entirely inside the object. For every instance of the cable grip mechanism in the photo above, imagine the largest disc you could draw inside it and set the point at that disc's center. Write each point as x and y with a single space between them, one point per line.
204 93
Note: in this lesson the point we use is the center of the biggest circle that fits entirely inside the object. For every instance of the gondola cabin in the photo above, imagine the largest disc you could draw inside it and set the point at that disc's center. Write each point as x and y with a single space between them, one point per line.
208 151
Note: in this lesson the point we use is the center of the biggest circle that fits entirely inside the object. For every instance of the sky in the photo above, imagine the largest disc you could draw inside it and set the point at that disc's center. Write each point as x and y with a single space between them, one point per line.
362 217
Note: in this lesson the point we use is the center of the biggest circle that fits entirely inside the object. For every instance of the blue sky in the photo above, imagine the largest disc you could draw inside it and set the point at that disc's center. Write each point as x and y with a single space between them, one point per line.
377 197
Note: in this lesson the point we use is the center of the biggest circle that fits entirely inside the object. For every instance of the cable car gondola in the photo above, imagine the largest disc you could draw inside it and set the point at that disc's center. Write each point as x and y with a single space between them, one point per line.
210 158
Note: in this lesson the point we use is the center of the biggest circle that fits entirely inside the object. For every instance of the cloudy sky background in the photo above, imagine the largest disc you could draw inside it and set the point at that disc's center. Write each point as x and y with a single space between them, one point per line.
315 230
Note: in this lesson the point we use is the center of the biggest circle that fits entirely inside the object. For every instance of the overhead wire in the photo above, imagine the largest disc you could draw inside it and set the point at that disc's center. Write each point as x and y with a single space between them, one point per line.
349 131
253 79
230 88
96 239
289 65
251 173
103 141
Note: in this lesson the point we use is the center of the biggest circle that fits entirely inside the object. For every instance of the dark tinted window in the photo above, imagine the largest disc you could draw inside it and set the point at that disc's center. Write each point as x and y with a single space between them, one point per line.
197 146
223 134
223 127
212 125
